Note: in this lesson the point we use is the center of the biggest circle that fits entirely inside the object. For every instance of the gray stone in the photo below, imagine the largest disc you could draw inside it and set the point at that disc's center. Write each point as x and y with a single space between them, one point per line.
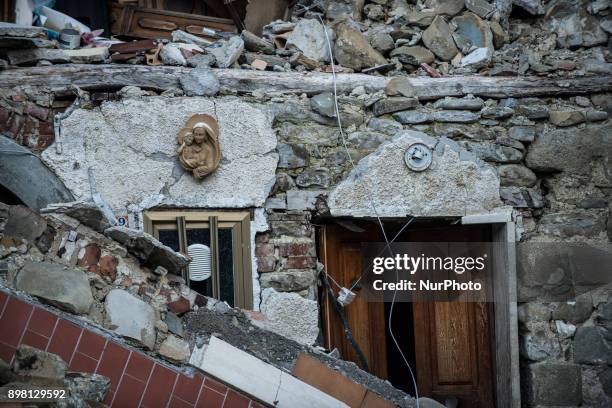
394 104
313 177
445 7
412 117
388 126
24 223
382 42
374 12
606 381
422 19
533 111
497 112
37 367
309 37
352 49
228 52
500 37
174 323
270 60
494 152
288 281
566 117
180 36
312 134
171 53
341 9
554 384
283 183
592 202
591 346
465 131
65 288
568 150
290 315
324 103
86 212
138 324
401 86
303 199
6 375
480 7
522 197
366 140
88 386
415 56
522 133
175 349
203 60
466 103
471 31
479 58
147 249
382 174
149 173
596 116
291 156
201 81
456 116
439 40
534 7
574 312
571 223
516 175
256 44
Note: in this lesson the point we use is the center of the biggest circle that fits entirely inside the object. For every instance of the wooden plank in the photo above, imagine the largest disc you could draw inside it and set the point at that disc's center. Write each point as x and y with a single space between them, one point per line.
62 77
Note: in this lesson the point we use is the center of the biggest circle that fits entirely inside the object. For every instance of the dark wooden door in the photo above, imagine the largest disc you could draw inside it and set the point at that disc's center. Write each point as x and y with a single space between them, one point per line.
452 340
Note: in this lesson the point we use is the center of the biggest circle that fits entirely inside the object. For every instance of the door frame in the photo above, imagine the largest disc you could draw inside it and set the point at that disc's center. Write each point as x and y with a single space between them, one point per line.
504 343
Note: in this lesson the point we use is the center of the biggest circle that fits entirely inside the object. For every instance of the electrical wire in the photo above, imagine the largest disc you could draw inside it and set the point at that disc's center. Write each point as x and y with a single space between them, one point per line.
341 131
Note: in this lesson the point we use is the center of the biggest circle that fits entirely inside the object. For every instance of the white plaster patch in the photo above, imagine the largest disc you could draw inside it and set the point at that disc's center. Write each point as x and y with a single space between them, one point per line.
456 183
131 147
290 315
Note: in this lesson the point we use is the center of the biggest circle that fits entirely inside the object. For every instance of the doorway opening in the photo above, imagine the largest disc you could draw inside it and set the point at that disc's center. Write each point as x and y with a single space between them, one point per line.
447 344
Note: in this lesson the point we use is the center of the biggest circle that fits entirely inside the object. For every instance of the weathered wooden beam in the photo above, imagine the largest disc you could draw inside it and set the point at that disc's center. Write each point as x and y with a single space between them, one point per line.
99 77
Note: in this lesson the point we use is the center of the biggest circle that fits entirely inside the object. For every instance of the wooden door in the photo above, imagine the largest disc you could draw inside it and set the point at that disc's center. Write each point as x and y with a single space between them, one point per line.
341 251
452 339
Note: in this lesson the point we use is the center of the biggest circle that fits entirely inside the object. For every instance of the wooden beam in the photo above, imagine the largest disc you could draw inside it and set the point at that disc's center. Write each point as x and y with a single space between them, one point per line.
113 76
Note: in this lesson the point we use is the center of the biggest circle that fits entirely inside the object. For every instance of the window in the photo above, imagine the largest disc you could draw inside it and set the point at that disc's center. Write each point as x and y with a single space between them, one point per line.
226 236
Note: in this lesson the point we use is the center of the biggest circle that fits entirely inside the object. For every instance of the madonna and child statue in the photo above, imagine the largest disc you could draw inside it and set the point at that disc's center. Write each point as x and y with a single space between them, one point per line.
199 151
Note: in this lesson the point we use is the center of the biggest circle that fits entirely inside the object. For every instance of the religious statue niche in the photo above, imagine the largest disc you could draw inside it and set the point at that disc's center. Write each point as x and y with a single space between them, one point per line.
198 141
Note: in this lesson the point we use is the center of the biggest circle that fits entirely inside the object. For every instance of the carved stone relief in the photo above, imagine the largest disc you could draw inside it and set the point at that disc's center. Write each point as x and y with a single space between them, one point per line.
199 150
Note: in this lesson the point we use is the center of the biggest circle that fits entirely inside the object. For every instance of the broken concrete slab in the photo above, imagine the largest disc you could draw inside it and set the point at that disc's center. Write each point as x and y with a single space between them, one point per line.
66 288
147 249
290 315
138 324
434 192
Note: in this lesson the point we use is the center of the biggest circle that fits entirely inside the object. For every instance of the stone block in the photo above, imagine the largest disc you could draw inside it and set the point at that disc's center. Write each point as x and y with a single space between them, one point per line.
554 384
591 346
290 315
138 324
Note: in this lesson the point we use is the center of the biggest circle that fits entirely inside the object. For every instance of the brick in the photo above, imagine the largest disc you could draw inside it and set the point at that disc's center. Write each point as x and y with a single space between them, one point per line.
108 267
113 362
64 340
159 388
14 320
36 111
264 249
235 400
139 366
210 398
187 388
266 264
296 249
300 262
179 307
42 322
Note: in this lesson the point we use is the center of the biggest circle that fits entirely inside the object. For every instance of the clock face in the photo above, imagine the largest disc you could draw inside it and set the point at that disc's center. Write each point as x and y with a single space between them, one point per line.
418 157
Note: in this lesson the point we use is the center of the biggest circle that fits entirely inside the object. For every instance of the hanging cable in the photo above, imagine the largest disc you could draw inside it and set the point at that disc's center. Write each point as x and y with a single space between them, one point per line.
369 195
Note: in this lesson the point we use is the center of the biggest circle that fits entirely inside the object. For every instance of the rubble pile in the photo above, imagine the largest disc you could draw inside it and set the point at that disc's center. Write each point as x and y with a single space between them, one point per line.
392 37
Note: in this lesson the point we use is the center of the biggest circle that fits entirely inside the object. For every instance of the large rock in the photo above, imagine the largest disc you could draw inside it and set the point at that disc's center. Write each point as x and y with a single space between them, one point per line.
309 37
130 317
140 135
200 81
149 250
38 367
399 191
228 52
569 150
290 315
24 223
86 212
471 31
353 50
55 284
554 384
438 38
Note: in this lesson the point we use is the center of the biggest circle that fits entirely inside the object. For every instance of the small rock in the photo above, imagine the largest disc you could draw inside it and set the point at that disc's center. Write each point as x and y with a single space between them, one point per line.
467 103
309 37
256 44
382 42
479 58
174 323
205 60
374 12
497 112
421 19
388 126
171 53
439 40
522 133
228 52
324 104
566 117
65 288
415 56
596 116
521 197
394 104
412 117
516 175
201 81
313 177
500 37
175 349
352 50
456 116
